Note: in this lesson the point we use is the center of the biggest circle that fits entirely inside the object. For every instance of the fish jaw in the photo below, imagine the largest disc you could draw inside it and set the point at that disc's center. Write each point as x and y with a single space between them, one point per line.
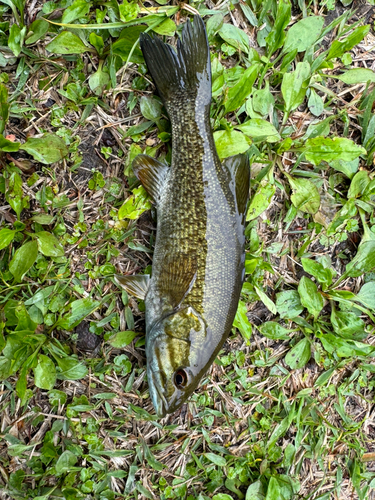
161 402
156 393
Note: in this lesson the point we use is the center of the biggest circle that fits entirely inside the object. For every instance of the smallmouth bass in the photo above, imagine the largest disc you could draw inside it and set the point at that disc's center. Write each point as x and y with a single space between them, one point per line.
198 261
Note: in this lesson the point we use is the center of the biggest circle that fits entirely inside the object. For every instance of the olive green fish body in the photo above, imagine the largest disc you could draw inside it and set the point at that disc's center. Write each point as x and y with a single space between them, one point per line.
198 261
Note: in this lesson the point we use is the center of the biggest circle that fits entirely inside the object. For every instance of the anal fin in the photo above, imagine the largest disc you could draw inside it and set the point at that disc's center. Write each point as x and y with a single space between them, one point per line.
239 169
136 285
152 175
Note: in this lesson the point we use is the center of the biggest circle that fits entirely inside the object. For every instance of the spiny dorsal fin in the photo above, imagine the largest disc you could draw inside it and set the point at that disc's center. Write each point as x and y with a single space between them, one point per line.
136 285
152 175
239 169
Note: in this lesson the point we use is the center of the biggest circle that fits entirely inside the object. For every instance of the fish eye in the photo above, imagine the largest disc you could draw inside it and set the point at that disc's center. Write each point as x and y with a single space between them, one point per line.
180 378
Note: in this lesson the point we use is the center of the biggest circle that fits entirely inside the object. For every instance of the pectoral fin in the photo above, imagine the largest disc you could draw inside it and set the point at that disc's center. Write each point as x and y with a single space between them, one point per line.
136 285
239 169
178 275
152 175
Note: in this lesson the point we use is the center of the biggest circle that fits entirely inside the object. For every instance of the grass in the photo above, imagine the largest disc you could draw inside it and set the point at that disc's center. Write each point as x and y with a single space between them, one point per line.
286 411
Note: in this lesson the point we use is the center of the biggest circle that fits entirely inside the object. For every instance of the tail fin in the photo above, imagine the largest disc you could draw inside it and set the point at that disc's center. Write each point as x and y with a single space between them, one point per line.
181 73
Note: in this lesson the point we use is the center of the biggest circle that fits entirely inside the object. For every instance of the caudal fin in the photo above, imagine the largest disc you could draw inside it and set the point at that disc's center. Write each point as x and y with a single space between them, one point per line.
181 74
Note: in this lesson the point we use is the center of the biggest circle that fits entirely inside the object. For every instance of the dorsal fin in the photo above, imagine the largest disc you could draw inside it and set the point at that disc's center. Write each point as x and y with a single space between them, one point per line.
152 175
239 169
136 285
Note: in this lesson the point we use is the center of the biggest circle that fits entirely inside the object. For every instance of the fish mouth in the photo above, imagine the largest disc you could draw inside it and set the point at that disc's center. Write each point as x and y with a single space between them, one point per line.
161 404
157 395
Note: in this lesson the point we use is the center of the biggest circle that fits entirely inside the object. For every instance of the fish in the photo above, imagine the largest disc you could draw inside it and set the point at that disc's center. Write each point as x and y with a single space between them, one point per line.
192 296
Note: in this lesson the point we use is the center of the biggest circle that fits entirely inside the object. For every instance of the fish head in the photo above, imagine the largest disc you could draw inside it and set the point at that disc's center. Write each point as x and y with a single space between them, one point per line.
173 355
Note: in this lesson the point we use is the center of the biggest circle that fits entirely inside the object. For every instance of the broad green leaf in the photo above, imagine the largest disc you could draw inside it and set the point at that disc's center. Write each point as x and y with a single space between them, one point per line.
121 339
128 10
45 373
235 37
299 355
266 300
316 269
310 297
49 148
135 205
273 490
339 48
67 43
294 86
213 25
241 321
345 348
250 16
261 200
288 304
368 127
255 491
222 496
78 9
303 34
98 81
348 210
79 309
155 464
66 461
273 330
259 130
43 219
325 149
166 28
70 369
236 95
150 108
319 128
49 244
21 385
23 259
6 237
349 168
124 45
364 261
263 101
4 107
356 75
322 379
5 368
97 41
250 265
40 295
348 325
315 103
37 30
305 195
230 142
276 36
280 430
16 38
216 459
8 146
367 295
359 184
